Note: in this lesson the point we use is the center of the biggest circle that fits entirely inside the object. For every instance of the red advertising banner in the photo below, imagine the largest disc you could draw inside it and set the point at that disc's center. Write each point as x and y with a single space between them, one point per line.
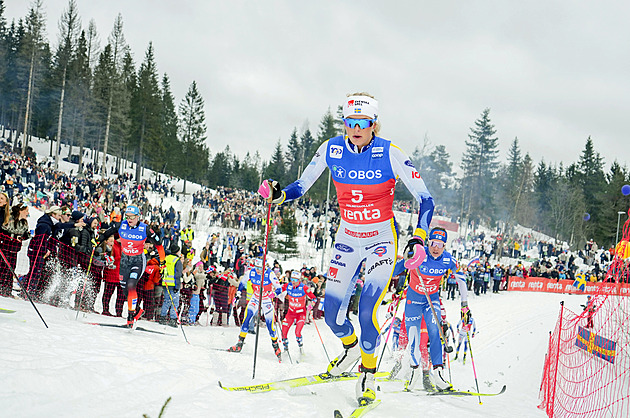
542 284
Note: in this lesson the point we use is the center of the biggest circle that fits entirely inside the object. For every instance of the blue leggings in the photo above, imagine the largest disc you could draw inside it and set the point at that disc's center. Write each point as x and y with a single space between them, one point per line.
415 308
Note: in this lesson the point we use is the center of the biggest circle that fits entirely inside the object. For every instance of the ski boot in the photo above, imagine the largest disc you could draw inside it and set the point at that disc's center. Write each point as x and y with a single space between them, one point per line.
350 354
238 347
172 322
301 345
464 359
365 388
133 316
285 343
276 349
413 379
438 379
456 354
426 381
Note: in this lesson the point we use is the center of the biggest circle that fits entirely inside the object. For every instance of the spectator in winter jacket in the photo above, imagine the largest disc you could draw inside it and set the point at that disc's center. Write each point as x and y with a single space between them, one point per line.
110 257
171 280
12 233
41 247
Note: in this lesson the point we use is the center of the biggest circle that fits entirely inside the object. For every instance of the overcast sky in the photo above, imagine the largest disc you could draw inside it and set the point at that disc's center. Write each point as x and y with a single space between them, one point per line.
552 72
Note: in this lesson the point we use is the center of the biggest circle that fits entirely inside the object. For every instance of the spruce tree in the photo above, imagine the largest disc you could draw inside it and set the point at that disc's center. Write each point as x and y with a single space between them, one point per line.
169 123
69 27
479 164
276 169
294 156
146 102
33 53
192 132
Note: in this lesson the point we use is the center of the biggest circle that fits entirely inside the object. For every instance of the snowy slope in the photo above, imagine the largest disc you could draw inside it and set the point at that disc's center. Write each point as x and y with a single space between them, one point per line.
76 369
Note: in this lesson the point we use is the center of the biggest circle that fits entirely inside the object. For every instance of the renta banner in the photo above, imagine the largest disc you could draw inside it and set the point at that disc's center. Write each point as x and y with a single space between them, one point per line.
542 284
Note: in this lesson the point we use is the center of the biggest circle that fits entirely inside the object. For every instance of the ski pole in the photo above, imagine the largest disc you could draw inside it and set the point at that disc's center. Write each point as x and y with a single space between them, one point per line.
23 289
472 360
176 313
322 341
262 282
87 276
391 327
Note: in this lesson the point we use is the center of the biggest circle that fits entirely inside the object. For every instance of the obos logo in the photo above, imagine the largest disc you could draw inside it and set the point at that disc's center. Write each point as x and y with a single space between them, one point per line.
340 172
338 257
344 248
362 175
380 251
336 151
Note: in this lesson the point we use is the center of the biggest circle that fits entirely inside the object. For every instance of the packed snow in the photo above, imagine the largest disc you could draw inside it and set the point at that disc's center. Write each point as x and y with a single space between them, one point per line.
76 369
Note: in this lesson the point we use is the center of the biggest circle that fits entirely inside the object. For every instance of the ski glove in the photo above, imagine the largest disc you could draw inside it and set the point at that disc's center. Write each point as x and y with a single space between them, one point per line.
414 260
271 190
466 314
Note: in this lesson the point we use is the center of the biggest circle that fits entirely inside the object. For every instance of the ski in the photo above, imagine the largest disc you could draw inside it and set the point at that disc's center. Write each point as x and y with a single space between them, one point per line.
465 393
2 310
126 327
421 392
297 382
359 411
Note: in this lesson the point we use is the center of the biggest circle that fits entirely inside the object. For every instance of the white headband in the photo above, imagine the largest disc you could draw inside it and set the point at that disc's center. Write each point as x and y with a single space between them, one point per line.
361 105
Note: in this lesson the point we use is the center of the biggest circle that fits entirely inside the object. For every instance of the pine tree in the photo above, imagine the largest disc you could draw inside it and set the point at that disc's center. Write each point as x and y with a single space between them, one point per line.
79 95
220 170
192 132
277 169
69 27
116 108
479 164
327 128
169 121
146 104
294 156
32 56
593 181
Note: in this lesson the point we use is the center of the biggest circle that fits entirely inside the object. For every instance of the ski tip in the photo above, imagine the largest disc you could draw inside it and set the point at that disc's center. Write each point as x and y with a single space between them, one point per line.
503 388
221 385
338 414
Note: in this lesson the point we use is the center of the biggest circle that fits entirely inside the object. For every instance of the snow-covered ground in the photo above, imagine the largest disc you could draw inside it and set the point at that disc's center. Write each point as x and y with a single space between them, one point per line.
75 369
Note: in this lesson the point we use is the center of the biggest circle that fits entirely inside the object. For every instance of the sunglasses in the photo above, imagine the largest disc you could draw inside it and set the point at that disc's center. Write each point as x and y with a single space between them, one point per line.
363 123
131 217
438 244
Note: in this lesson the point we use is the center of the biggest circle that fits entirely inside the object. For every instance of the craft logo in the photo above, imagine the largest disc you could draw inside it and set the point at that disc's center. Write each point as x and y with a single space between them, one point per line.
380 251
344 248
340 172
387 261
336 151
332 272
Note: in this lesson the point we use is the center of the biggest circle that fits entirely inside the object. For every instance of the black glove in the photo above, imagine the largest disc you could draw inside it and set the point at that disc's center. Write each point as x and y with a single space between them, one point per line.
277 195
409 249
444 327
